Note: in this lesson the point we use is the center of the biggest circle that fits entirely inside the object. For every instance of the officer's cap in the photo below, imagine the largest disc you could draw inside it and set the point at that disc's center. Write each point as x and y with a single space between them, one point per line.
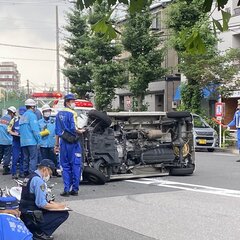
22 110
69 96
8 203
238 101
47 163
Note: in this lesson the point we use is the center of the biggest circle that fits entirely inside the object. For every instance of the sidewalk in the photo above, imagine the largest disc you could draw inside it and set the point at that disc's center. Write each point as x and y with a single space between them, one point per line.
231 149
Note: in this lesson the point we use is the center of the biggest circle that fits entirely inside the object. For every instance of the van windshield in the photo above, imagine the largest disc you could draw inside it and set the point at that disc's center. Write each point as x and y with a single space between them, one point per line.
199 123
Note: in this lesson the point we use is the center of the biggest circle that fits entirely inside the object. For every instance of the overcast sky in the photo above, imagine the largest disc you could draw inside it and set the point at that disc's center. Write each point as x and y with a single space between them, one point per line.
32 23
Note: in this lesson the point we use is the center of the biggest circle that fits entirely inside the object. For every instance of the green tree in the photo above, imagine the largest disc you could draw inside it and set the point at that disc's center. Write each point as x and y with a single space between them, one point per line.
146 58
183 16
210 69
79 66
90 61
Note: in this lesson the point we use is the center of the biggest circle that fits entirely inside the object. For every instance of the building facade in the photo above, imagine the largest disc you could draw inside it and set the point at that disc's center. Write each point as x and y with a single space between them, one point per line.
9 76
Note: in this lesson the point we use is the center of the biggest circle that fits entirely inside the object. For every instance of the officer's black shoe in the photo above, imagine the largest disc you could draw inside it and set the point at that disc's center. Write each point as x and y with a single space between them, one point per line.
74 193
6 170
238 160
56 174
14 176
64 194
42 236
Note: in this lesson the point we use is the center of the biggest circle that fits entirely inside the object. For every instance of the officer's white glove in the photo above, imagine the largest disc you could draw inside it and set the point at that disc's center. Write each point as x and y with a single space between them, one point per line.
228 128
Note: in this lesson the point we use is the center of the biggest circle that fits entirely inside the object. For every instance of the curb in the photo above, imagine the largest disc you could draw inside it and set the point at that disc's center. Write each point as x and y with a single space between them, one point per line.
227 150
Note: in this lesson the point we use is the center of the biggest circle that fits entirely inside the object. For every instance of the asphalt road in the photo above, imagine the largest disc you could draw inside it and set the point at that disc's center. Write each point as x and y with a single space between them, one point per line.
203 206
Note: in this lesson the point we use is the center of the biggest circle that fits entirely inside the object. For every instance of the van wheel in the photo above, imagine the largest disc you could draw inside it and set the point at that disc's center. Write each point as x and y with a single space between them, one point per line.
210 149
94 176
182 171
102 167
102 118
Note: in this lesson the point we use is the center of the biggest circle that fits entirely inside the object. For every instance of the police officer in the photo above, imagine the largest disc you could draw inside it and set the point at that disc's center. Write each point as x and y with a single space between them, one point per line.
42 217
70 152
17 153
47 128
236 123
6 139
30 137
11 226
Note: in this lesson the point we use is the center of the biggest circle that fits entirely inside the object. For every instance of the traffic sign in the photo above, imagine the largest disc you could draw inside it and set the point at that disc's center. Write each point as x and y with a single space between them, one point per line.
219 110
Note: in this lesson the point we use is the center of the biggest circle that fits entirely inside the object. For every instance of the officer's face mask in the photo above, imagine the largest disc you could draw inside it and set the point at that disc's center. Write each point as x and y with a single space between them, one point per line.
47 114
47 176
72 105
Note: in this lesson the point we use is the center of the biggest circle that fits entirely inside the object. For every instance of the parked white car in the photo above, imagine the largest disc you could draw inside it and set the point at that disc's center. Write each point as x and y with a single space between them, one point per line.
205 137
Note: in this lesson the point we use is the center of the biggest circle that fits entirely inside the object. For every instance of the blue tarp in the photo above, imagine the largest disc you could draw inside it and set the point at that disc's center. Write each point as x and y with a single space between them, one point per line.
207 91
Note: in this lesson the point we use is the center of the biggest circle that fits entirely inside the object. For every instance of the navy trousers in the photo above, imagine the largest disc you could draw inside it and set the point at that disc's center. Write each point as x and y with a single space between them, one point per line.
51 221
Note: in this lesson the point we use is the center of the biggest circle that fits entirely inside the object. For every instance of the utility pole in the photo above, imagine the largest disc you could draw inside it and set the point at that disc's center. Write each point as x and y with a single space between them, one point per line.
28 89
57 51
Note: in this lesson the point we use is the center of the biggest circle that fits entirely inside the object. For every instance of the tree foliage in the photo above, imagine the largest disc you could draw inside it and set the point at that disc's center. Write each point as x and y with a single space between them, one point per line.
90 58
193 42
146 57
209 69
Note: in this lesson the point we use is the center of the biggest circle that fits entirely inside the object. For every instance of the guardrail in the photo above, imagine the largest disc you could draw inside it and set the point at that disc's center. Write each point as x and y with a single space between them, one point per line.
229 139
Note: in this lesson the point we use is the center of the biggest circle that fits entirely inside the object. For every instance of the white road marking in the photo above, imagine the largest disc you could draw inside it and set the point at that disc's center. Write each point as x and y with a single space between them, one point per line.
188 187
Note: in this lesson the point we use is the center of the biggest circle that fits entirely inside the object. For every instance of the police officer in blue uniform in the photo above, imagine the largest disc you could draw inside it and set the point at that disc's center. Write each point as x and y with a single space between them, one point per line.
17 153
6 139
30 137
47 128
236 123
36 211
11 226
70 152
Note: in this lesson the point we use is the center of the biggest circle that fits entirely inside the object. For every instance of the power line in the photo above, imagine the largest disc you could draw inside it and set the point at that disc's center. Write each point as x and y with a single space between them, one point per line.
30 59
34 2
30 47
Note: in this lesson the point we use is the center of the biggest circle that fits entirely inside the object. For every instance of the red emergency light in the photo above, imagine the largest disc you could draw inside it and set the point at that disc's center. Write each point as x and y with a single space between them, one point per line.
83 103
47 95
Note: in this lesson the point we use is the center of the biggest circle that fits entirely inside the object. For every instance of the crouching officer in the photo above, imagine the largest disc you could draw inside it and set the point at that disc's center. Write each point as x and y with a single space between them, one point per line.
41 217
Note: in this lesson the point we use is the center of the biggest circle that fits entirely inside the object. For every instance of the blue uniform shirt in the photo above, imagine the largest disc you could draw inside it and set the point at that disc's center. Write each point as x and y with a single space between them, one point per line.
39 188
49 140
29 129
236 120
13 228
5 137
66 120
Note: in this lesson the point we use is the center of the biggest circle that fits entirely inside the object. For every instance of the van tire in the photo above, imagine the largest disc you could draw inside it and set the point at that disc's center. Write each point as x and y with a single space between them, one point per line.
103 119
94 176
182 171
178 114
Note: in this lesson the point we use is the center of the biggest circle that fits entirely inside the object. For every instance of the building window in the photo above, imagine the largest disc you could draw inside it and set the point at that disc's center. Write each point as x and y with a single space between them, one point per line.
156 22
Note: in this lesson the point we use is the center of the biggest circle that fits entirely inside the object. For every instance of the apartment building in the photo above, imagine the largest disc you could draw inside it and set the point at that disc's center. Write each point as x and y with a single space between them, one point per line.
9 76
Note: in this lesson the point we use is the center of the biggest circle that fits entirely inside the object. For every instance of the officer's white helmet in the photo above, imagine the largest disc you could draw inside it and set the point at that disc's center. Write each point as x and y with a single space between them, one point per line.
30 102
46 107
12 109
